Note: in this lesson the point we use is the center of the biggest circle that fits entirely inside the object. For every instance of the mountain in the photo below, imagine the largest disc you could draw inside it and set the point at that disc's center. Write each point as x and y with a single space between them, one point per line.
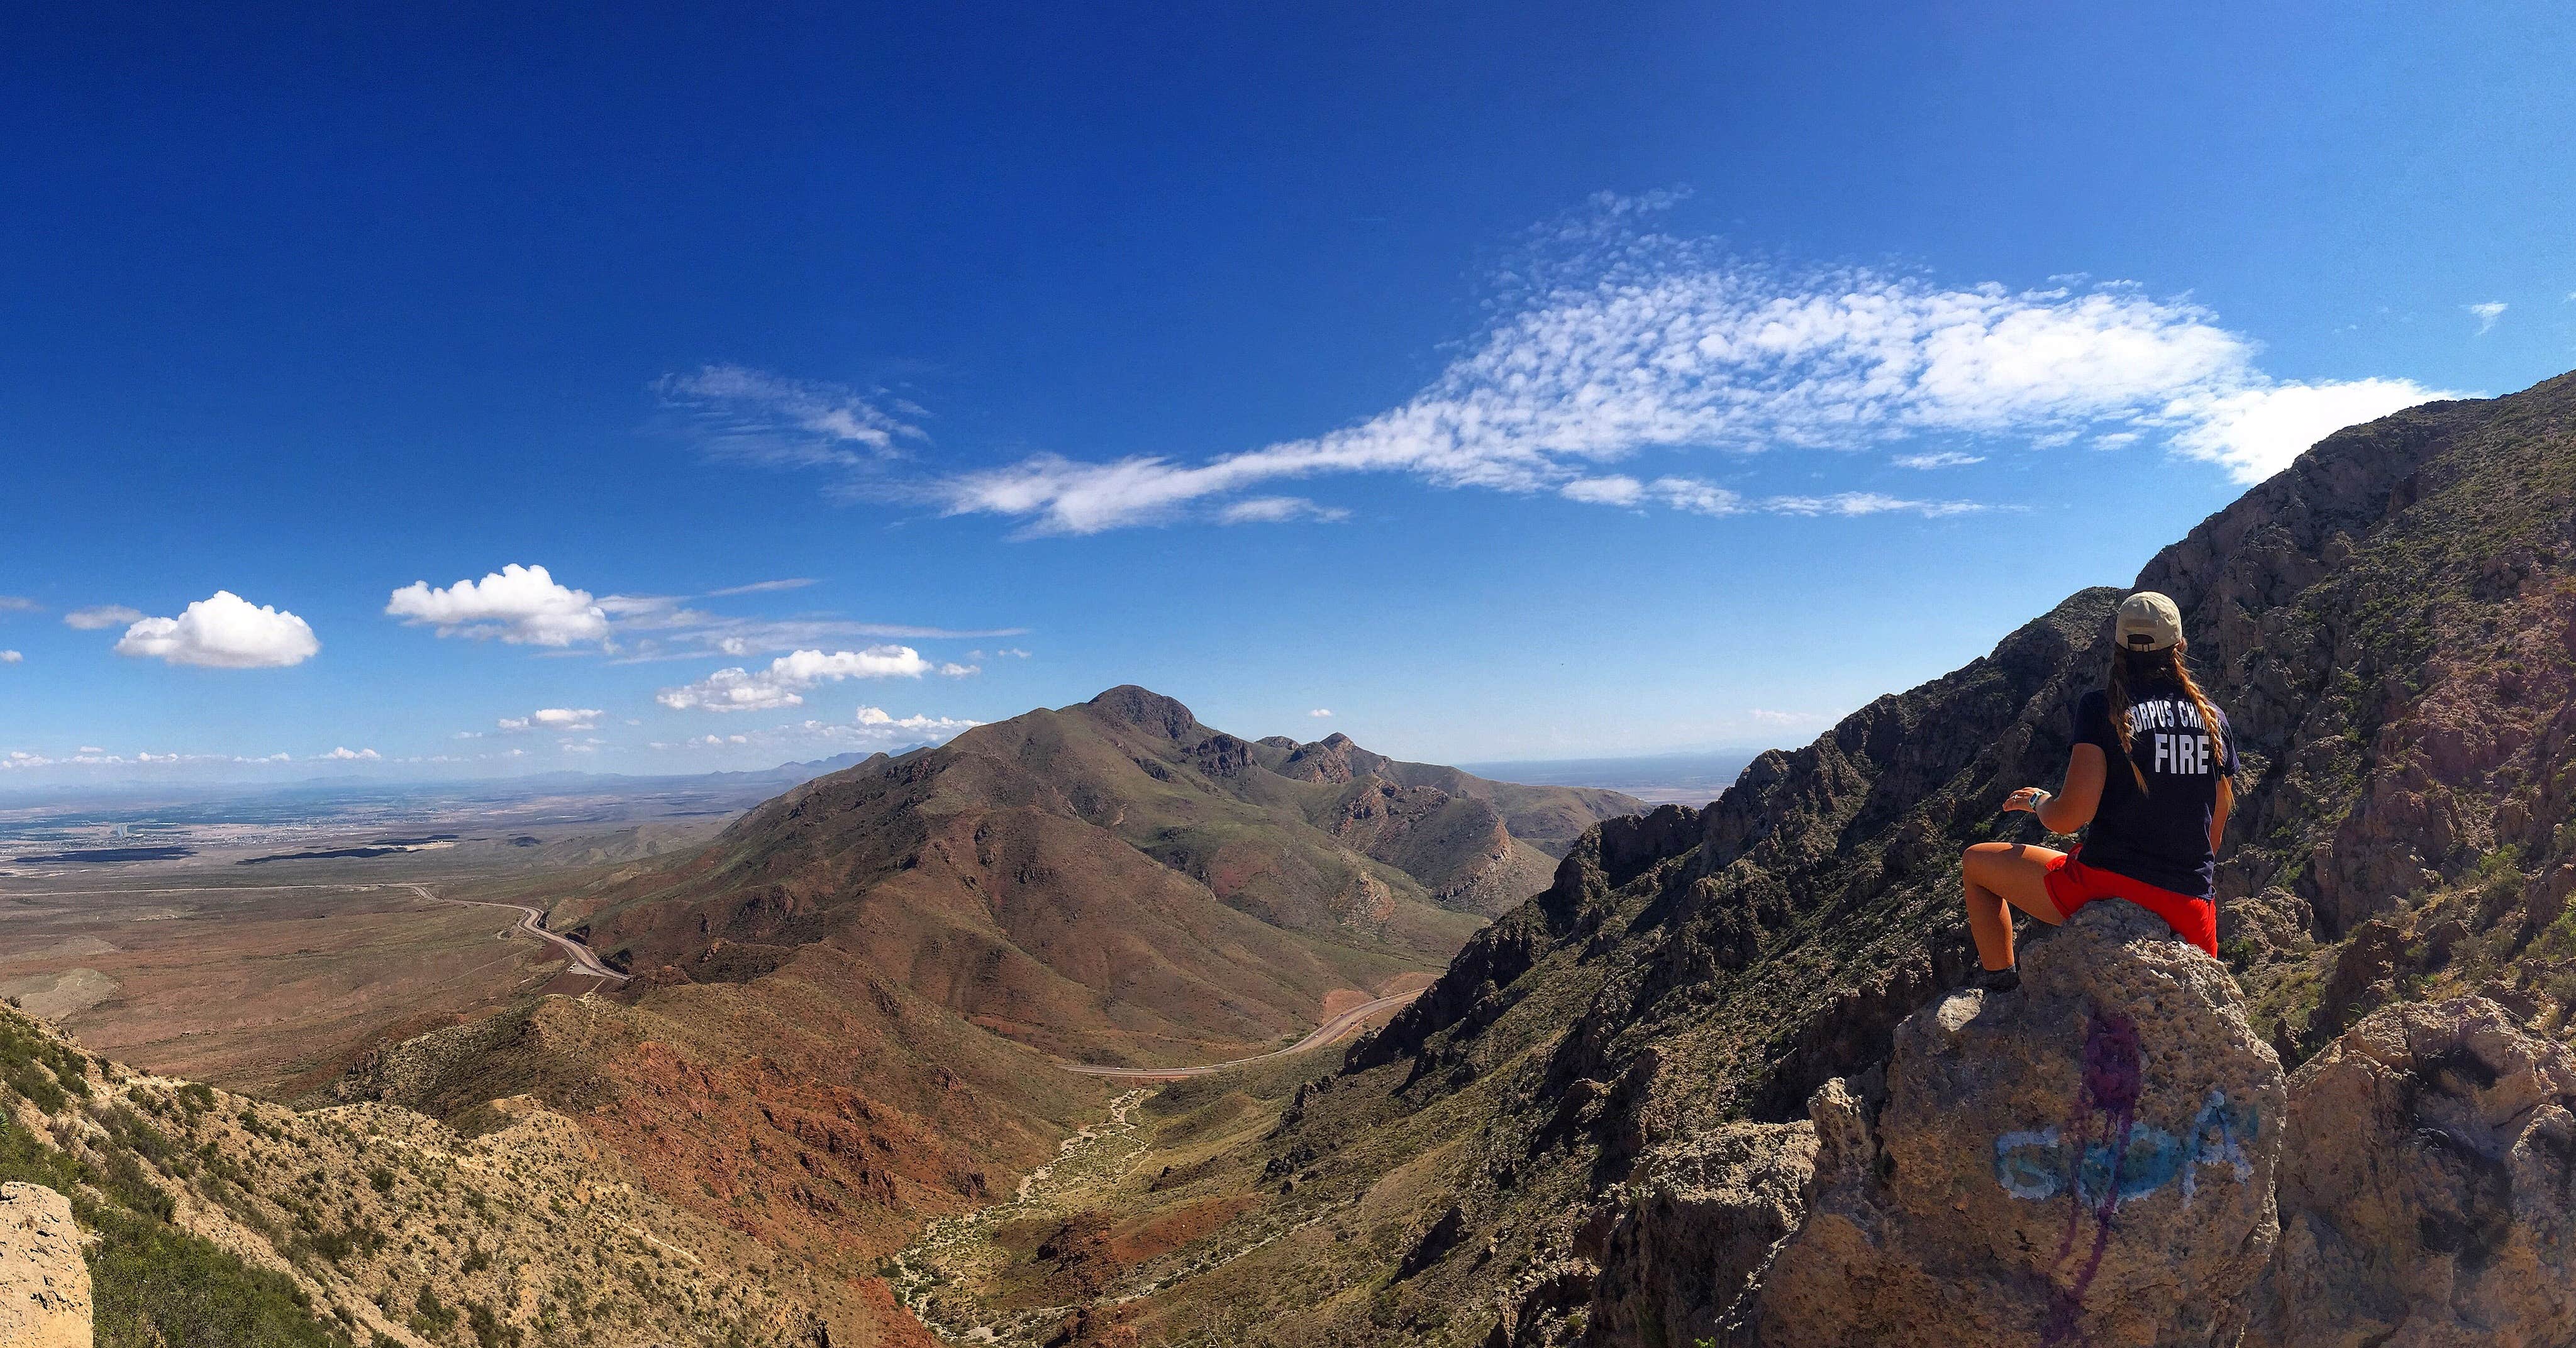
1112 880
2391 623
850 1008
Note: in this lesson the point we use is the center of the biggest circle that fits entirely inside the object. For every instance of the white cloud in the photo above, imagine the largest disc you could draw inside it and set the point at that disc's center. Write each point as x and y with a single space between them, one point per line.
522 605
1321 711
784 682
344 754
92 749
1948 458
223 631
762 587
1770 717
953 670
750 416
2486 313
11 603
554 718
103 616
2256 432
1623 342
1279 510
10 657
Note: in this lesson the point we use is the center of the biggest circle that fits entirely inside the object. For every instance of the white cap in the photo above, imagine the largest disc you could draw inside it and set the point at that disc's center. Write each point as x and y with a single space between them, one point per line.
2148 622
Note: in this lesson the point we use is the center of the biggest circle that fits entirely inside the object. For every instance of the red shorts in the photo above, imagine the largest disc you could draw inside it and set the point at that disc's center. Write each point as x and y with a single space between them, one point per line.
2072 884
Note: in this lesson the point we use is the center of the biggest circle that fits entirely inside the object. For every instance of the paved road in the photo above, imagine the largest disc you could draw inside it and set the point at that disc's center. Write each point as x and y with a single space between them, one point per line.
532 921
1324 1034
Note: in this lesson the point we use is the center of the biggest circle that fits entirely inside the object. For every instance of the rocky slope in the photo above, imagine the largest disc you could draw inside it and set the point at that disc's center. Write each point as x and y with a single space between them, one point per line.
2392 624
209 1218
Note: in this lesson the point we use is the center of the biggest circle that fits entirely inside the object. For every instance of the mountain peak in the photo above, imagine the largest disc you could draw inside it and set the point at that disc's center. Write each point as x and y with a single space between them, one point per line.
1146 709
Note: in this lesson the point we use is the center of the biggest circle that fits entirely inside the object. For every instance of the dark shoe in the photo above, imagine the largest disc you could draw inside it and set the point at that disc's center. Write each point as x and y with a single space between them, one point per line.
1996 980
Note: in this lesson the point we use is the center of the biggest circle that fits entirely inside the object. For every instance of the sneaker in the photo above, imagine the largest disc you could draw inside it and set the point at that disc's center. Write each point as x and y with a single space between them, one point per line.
1996 980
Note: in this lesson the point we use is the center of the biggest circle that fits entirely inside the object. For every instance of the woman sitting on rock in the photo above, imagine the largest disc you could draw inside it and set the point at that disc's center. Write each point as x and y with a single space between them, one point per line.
2156 826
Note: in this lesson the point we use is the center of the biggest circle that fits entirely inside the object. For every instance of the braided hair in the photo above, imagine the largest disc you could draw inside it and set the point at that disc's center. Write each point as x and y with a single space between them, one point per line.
2167 663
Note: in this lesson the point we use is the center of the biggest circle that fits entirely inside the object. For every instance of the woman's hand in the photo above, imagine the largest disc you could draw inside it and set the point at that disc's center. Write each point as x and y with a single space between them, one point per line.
2027 798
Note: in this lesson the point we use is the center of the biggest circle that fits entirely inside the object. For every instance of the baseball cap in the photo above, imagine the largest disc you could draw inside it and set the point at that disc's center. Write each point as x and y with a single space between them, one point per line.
2148 622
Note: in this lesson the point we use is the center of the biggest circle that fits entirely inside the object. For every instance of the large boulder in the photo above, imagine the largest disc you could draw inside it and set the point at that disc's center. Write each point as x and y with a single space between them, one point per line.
2428 1198
2087 1160
44 1285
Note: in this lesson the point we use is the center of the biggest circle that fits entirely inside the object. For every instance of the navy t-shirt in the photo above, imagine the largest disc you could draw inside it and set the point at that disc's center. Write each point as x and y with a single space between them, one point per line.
2161 836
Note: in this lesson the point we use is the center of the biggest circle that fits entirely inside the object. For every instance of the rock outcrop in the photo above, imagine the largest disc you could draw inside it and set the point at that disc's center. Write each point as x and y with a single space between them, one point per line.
2428 1193
2086 1160
44 1285
1679 1265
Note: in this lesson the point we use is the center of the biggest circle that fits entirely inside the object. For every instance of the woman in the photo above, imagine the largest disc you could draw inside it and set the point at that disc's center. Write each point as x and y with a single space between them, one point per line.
2157 816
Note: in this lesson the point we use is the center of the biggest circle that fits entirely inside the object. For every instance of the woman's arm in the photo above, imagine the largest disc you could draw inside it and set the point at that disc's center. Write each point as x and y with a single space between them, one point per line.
2076 799
2219 812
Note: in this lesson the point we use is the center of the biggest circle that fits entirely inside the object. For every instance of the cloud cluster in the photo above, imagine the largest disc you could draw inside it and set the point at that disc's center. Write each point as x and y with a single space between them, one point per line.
785 681
1621 343
344 754
522 605
223 631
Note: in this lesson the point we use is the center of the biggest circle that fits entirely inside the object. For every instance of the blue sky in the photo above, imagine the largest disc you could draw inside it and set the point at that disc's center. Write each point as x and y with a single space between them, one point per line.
1509 381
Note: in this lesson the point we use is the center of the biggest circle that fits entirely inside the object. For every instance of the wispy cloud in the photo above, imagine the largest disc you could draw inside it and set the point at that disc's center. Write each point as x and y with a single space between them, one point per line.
1614 341
559 719
103 616
762 587
1279 510
2486 314
10 603
1948 458
1704 498
750 416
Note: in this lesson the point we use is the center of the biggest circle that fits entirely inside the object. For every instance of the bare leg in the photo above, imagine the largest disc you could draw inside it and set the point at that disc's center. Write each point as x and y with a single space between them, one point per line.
1997 874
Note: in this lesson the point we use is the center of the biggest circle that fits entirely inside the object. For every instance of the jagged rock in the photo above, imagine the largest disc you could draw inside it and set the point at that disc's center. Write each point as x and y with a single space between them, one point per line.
44 1286
1700 1225
2426 1196
2087 1160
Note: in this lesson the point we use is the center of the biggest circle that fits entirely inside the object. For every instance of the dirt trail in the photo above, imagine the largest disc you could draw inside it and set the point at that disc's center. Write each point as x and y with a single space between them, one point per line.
1324 1034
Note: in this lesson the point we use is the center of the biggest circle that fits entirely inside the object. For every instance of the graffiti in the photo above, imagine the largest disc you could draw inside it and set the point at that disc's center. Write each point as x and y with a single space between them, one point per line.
2036 1163
2105 1156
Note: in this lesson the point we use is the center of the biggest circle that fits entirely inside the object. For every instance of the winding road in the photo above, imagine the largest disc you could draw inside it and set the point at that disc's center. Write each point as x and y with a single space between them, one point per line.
1324 1034
532 921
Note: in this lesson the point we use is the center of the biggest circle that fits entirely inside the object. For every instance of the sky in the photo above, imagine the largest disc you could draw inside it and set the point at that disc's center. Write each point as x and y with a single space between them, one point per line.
485 391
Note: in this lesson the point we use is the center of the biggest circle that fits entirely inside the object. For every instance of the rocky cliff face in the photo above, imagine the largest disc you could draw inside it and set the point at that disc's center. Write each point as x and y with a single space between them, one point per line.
2391 623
